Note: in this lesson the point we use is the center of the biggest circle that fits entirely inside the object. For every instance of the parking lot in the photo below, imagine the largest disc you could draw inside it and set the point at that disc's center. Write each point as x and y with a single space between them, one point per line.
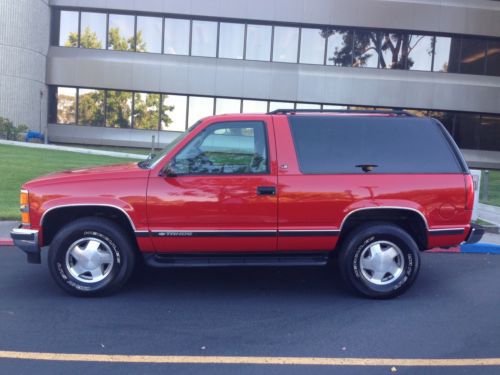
451 314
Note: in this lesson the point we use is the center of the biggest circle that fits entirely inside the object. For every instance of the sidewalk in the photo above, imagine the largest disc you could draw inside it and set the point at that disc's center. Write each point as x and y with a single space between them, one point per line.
489 213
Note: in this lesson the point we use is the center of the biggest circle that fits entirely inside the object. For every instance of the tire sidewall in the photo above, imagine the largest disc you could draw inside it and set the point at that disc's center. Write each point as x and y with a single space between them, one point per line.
353 259
61 245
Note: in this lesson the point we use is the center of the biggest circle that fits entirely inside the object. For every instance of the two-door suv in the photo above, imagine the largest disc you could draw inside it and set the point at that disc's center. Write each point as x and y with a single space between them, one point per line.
368 190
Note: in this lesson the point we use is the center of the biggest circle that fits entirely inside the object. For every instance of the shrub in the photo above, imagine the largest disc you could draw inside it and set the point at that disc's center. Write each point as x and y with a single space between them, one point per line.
11 132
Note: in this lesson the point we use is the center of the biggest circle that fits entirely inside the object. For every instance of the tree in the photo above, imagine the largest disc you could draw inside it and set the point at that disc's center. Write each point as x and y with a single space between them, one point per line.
88 39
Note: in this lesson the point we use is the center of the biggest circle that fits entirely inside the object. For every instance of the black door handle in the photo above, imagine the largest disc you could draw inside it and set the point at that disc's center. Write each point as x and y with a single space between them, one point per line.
266 190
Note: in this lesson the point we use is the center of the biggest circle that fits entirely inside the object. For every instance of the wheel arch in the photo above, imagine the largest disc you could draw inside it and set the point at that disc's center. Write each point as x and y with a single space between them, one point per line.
409 219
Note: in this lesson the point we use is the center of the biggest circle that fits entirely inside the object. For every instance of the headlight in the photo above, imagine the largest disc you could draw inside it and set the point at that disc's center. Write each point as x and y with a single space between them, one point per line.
25 207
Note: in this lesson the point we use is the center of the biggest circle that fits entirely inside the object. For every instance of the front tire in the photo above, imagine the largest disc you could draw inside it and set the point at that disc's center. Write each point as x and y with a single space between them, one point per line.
379 260
91 256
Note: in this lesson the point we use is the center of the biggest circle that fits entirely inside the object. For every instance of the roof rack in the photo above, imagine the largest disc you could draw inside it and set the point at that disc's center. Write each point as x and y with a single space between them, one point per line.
361 111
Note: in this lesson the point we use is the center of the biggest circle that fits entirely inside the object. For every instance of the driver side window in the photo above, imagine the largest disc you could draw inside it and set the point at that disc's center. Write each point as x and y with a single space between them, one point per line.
223 149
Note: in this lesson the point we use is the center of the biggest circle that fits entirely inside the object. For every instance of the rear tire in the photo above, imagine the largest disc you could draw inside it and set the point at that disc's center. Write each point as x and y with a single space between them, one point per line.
91 256
379 260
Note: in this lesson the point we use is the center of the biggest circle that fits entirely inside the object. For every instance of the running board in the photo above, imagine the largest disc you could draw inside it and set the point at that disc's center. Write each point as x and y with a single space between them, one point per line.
238 259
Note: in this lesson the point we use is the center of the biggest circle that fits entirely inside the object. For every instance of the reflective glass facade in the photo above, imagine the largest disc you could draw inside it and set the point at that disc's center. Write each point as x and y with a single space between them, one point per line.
326 45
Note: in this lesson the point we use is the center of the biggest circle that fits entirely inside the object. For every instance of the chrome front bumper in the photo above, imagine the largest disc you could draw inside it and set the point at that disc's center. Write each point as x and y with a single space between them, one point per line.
27 241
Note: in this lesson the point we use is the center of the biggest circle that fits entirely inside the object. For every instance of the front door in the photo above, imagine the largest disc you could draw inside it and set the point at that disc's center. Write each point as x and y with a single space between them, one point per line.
218 193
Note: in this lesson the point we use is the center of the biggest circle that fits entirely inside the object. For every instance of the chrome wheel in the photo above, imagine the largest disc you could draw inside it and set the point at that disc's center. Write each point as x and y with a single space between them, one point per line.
381 262
89 260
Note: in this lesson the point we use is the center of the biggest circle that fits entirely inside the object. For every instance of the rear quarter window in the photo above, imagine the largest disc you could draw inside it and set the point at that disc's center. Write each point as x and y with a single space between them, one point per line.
337 144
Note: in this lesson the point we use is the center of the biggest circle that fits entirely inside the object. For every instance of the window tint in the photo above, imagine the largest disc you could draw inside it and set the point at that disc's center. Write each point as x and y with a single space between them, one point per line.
286 44
121 33
334 144
91 107
493 67
149 34
312 46
68 29
176 36
339 46
93 30
204 39
225 148
66 105
258 42
473 56
231 38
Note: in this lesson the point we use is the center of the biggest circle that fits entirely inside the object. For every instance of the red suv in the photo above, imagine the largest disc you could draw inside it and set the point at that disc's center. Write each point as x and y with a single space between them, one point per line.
368 190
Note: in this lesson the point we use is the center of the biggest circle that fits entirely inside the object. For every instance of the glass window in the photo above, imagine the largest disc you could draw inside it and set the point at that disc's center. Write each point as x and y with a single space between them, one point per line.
466 130
339 46
489 133
395 51
174 111
307 106
273 106
225 148
312 46
286 43
176 36
91 107
118 109
254 106
204 38
325 144
68 29
335 107
199 107
149 34
146 110
121 33
441 53
493 63
366 49
93 30
66 105
473 56
258 42
420 52
231 38
226 106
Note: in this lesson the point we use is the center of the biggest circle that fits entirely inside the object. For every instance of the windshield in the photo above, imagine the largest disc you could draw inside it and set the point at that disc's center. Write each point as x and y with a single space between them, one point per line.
151 163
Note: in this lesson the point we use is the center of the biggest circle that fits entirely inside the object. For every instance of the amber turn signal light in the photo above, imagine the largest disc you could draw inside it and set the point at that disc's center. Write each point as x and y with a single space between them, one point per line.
23 200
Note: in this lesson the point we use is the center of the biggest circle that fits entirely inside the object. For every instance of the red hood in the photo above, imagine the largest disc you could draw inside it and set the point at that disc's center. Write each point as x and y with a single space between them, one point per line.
127 170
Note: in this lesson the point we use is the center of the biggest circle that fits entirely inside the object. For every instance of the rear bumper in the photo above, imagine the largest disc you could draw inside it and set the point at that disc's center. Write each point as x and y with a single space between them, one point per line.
475 234
27 241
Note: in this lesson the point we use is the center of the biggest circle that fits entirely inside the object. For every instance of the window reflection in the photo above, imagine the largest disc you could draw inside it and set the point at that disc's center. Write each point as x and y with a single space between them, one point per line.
93 30
285 45
441 53
493 63
258 42
339 46
473 56
149 33
489 133
91 107
174 111
146 110
121 34
312 46
231 38
176 38
227 106
254 106
366 49
394 47
199 107
273 106
118 109
66 105
335 107
204 38
68 29
307 106
420 52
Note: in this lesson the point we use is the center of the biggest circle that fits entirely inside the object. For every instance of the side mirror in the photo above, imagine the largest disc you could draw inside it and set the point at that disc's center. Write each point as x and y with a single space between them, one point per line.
168 171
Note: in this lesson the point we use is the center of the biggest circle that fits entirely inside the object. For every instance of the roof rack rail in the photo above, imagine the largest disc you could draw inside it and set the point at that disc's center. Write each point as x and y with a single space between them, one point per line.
361 111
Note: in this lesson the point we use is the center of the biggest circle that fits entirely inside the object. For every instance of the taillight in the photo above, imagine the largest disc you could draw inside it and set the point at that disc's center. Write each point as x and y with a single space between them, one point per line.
25 207
469 192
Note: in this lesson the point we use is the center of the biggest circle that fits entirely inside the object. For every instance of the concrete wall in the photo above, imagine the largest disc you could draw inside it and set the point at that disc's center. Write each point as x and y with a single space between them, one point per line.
477 17
24 42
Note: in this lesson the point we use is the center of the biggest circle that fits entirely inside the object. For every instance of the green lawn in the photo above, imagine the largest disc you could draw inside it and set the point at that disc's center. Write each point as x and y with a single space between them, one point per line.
493 188
131 150
21 164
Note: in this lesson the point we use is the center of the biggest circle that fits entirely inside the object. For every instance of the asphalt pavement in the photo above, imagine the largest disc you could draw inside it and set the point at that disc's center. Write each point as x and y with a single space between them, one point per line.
452 312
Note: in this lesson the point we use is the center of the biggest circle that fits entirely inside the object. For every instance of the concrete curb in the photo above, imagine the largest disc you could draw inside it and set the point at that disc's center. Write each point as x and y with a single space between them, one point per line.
6 242
73 149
